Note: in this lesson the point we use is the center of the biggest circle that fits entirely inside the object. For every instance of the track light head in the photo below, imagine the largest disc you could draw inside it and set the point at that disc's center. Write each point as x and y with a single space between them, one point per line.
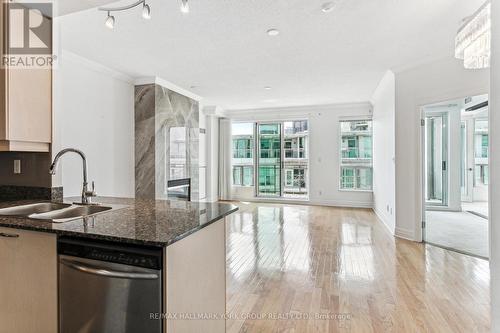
184 6
110 21
146 11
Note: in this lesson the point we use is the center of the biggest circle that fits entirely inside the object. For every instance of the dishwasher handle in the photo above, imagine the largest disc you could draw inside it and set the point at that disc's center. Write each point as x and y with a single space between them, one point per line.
107 273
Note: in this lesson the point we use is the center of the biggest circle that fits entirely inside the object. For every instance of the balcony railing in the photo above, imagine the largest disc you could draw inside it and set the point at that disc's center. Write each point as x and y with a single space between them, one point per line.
356 153
295 153
270 153
482 153
243 153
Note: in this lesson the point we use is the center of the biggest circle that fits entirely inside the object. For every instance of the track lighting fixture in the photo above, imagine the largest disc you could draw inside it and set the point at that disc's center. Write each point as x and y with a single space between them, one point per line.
110 20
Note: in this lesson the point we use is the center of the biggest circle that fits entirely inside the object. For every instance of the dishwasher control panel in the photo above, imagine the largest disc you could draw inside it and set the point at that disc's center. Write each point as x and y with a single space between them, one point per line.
146 257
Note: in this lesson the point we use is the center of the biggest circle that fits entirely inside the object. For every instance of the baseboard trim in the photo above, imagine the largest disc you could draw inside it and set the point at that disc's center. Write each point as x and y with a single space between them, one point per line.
405 234
383 219
347 204
329 203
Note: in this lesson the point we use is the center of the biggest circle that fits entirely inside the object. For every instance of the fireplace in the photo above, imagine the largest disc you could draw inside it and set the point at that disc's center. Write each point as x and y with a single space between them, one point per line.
179 189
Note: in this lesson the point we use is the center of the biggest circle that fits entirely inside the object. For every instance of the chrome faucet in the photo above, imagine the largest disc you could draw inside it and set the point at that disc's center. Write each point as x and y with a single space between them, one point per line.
86 194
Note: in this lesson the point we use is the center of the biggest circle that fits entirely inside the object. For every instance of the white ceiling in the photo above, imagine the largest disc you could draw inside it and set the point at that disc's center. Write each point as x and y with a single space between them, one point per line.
64 7
222 48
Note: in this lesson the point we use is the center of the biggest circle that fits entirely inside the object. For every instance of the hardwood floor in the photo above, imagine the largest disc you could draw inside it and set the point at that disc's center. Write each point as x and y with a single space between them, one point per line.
287 262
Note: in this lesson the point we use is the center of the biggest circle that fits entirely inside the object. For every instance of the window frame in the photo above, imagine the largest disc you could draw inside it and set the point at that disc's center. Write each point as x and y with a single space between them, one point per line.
355 167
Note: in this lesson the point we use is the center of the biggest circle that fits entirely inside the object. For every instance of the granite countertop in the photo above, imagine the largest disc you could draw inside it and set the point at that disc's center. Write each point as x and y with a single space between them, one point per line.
148 222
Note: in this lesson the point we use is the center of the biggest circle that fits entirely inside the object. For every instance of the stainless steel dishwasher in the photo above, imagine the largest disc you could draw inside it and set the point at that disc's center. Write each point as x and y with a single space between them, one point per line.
109 288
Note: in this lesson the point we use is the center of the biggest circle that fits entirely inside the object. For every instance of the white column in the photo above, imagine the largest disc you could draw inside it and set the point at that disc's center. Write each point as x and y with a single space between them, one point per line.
212 115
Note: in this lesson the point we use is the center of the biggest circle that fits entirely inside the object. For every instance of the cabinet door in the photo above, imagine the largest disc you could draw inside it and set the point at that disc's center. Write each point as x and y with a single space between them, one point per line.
25 99
30 105
28 282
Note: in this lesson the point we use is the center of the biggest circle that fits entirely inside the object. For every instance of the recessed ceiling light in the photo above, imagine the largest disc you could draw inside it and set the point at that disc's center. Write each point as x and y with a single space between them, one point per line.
273 32
267 88
327 7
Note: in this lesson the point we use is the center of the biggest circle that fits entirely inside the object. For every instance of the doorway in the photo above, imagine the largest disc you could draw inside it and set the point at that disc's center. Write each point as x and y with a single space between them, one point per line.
455 174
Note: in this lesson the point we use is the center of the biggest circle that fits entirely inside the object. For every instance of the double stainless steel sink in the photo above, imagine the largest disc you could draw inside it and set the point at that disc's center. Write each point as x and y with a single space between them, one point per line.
55 212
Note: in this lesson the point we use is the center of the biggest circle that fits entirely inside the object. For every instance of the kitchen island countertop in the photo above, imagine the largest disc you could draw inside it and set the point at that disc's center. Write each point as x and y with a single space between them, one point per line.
139 221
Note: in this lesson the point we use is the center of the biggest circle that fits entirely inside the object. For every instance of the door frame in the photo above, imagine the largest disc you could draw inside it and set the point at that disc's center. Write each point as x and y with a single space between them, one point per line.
423 167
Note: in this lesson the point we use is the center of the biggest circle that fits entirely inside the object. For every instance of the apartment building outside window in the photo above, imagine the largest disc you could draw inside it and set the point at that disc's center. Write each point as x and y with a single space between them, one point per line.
296 159
356 171
243 150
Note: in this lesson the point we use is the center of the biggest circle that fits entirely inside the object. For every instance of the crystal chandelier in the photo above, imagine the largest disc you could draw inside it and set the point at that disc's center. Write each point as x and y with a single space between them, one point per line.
473 40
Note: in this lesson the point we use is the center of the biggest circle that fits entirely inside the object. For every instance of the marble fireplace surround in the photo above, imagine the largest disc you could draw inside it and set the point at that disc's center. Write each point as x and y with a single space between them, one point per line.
157 111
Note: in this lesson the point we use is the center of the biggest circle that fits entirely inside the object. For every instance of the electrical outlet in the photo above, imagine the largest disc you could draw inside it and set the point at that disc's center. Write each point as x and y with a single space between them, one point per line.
320 192
17 167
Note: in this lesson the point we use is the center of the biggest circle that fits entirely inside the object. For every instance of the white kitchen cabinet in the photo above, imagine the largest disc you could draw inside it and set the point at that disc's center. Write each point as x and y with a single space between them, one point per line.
25 102
28 281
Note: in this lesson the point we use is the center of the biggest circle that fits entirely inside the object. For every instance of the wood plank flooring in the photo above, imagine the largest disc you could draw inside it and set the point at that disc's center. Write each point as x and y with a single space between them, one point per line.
301 269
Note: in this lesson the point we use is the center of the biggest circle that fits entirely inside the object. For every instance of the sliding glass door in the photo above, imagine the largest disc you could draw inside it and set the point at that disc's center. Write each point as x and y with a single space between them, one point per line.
282 159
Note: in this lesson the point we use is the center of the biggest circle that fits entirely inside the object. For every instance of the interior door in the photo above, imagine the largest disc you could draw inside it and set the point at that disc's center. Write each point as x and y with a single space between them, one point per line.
269 179
436 160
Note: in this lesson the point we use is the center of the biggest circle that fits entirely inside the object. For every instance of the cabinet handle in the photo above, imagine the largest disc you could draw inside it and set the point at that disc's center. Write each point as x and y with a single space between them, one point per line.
107 273
3 234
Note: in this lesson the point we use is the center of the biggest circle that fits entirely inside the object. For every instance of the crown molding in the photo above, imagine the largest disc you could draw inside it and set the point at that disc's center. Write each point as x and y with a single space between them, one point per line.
166 84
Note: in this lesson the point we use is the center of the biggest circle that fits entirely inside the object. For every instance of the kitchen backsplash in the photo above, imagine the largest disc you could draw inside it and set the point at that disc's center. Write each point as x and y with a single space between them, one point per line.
33 181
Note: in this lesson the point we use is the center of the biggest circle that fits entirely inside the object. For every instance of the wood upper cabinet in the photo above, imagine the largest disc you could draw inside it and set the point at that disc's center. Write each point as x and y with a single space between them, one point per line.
25 100
28 281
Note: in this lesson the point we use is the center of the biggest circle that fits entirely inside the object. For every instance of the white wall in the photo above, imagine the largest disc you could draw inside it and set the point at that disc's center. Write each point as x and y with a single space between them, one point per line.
494 162
384 191
324 150
94 112
442 80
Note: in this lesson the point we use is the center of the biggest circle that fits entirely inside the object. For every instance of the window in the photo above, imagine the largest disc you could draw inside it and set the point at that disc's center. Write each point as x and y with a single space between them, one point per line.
243 175
269 181
243 147
295 178
356 155
243 150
